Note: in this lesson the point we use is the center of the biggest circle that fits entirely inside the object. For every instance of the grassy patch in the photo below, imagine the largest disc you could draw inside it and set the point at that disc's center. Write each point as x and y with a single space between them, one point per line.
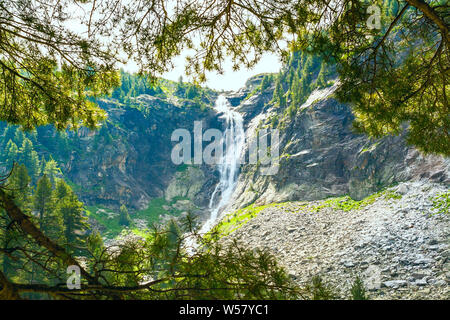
75 187
441 203
347 204
182 167
369 148
156 208
146 234
237 219
107 218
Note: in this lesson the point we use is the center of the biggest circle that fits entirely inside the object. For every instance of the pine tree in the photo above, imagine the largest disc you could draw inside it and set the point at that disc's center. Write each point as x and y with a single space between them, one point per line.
306 73
19 185
62 144
42 198
19 189
321 78
9 134
296 91
95 244
8 239
12 153
19 137
124 217
71 211
265 83
191 92
61 190
51 170
32 135
278 94
29 157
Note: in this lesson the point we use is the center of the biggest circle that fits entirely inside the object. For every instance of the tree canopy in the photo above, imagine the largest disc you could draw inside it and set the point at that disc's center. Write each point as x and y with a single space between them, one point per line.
392 55
57 56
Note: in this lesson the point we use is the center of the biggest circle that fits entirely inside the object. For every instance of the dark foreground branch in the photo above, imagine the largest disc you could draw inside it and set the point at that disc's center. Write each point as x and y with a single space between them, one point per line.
28 227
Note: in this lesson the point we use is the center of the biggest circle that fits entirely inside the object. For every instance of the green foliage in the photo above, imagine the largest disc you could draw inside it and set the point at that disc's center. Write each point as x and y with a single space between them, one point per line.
346 203
278 94
25 154
95 245
19 185
113 222
395 75
58 214
158 207
71 211
303 74
318 290
124 217
106 218
11 153
237 219
182 167
29 157
133 85
266 82
52 170
215 272
392 74
191 92
42 196
441 203
358 290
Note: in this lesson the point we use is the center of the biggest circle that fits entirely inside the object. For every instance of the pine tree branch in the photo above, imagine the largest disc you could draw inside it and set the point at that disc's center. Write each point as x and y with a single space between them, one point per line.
431 14
28 227
7 290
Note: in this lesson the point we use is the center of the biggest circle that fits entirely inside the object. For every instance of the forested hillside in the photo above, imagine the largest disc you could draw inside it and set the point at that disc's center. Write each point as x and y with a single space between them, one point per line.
355 124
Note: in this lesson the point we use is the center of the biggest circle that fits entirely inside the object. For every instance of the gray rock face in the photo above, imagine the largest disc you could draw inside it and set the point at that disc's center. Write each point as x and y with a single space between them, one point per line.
135 164
320 156
395 284
386 243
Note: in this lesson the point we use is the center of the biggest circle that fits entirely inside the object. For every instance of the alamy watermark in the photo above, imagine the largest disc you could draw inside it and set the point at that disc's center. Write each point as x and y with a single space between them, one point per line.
213 147
374 20
74 279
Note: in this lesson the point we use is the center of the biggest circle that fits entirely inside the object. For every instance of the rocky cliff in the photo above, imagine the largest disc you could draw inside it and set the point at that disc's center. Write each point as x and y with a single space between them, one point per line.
321 156
396 241
128 161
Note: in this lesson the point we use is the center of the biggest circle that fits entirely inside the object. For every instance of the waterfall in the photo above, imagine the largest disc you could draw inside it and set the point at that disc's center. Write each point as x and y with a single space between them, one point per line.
229 164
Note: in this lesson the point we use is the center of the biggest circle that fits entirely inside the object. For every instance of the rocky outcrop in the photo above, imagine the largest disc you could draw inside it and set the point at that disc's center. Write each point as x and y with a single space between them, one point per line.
398 244
129 160
186 183
320 155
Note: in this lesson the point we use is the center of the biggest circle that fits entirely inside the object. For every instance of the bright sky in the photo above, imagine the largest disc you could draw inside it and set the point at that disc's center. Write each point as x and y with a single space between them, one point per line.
229 80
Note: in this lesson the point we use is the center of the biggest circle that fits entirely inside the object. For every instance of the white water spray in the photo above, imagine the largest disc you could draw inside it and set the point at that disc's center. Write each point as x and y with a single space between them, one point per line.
234 141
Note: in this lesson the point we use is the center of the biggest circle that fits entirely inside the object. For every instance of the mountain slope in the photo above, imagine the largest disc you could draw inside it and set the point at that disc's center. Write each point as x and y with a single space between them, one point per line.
321 156
397 241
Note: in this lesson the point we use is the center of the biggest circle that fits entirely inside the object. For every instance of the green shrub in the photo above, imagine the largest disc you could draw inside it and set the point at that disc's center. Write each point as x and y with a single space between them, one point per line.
358 290
318 290
441 203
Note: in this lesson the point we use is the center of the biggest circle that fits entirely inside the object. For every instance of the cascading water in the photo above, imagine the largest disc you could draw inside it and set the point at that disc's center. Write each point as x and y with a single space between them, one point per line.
234 141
